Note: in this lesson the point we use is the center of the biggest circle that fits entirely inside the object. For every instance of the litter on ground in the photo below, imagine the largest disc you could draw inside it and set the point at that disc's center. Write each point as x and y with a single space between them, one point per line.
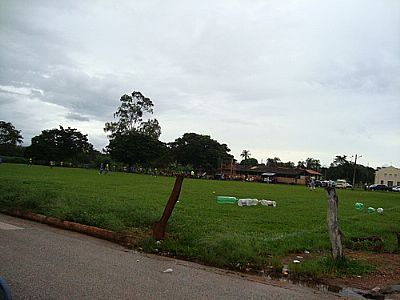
296 261
245 201
168 271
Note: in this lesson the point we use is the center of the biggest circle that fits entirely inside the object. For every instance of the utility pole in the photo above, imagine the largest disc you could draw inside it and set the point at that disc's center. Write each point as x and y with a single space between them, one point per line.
354 171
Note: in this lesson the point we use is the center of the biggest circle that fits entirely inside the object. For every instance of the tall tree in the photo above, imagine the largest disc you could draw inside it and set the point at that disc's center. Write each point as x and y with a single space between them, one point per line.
130 117
65 144
245 154
301 164
313 164
341 168
10 139
200 151
273 162
133 140
340 160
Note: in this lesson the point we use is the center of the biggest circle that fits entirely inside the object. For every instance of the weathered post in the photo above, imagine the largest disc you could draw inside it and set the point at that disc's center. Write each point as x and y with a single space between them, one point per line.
332 221
159 227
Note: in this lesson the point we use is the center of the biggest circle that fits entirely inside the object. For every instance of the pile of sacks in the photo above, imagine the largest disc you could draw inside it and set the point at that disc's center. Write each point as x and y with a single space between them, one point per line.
244 202
251 202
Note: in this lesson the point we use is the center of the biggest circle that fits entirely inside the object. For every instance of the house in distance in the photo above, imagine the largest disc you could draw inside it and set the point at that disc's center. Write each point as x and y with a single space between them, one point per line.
262 173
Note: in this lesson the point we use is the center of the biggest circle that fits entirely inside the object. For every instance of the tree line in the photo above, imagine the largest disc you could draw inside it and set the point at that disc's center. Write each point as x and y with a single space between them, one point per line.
134 142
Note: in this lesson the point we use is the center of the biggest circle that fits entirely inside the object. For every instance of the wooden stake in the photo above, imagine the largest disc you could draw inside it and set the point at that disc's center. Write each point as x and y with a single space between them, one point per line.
160 226
332 221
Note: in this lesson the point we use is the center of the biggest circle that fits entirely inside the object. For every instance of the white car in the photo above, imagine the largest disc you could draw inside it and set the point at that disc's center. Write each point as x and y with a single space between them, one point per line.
396 188
341 184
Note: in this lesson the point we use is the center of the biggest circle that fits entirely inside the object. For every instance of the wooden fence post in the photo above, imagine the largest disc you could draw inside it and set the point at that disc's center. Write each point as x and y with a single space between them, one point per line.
335 235
159 227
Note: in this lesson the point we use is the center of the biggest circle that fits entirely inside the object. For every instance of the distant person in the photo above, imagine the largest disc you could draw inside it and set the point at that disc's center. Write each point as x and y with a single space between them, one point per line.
312 184
52 163
106 169
365 186
101 169
192 174
61 164
30 162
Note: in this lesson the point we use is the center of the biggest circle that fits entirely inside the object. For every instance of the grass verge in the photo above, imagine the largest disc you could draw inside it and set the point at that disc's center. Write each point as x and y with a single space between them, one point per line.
200 229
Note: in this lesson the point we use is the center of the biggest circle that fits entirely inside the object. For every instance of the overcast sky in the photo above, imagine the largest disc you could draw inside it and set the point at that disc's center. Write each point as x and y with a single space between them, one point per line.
292 79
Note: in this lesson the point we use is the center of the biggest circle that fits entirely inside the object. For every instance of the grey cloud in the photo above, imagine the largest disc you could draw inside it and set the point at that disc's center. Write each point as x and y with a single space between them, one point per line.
36 55
260 76
77 117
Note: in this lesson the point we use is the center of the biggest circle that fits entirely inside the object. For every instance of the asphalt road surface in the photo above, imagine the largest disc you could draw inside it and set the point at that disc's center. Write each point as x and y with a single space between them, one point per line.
41 262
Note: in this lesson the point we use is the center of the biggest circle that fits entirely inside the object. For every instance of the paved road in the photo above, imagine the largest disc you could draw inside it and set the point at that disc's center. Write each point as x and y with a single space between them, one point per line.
41 262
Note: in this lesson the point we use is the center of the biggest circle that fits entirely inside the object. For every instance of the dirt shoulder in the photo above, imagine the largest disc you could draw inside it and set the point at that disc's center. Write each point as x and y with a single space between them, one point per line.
387 271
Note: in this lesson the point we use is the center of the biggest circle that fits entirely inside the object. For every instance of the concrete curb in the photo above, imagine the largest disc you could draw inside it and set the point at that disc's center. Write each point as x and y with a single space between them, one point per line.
126 240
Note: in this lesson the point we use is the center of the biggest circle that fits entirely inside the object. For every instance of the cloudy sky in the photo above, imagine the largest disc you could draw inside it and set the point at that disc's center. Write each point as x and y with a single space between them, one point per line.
293 79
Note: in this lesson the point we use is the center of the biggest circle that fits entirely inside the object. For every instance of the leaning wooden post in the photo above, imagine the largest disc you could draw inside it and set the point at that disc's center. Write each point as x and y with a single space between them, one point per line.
333 227
159 227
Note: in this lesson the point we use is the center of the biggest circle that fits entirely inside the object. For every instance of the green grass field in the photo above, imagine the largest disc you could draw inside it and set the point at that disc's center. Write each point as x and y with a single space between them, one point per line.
199 229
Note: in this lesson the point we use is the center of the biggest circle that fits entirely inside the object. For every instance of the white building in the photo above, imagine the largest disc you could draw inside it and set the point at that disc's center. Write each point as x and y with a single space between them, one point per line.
389 176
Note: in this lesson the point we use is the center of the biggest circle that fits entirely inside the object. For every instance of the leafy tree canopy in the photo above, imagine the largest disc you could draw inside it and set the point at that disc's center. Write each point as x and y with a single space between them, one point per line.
200 151
9 135
135 148
130 117
273 162
276 162
340 160
10 140
310 163
301 164
313 164
288 164
341 168
61 144
245 154
249 162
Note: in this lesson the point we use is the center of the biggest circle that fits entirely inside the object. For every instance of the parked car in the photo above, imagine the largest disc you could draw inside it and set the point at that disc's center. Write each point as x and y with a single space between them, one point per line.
341 184
396 188
326 183
378 187
349 185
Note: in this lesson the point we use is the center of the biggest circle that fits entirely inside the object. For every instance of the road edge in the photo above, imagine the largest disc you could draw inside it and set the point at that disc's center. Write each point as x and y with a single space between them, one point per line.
126 240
